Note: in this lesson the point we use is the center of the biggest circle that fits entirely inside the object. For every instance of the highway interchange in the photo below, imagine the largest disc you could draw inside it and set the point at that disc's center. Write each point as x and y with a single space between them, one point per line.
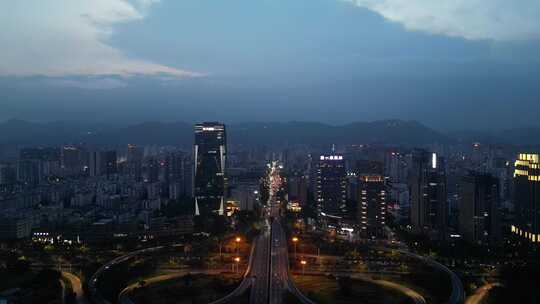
268 272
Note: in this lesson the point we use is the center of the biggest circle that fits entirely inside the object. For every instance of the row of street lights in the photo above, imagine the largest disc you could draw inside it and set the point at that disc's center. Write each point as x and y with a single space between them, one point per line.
237 259
303 262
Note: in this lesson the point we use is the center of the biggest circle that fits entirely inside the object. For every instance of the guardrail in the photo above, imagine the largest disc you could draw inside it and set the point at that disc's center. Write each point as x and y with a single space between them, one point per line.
95 295
244 285
458 293
457 296
292 286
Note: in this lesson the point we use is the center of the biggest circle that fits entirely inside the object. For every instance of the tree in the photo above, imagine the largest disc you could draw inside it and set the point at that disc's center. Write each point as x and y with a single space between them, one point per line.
16 264
345 286
45 286
520 285
71 298
188 279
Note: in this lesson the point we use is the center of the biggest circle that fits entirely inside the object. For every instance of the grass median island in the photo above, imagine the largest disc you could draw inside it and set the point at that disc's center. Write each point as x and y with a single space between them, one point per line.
188 289
433 284
330 290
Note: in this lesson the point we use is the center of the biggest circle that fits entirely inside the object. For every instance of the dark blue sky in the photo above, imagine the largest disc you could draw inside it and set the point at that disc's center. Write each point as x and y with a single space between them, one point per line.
450 63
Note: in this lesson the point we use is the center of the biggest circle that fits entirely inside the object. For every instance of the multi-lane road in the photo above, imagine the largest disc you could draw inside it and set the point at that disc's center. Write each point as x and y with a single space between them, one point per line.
280 279
268 270
279 264
273 265
260 270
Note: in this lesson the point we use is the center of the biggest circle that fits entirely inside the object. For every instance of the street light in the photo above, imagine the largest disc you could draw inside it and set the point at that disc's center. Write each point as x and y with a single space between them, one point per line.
303 263
238 240
295 241
237 260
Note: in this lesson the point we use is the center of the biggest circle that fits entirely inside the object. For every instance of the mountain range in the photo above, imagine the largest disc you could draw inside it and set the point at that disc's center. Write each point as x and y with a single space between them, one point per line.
20 132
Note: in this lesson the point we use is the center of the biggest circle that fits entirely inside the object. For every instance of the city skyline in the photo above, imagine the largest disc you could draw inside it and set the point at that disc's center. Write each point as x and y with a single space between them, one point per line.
264 218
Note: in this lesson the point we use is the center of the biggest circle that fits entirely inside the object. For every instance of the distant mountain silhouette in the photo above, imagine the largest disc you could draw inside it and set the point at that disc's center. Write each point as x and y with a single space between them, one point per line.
516 136
387 131
21 132
521 136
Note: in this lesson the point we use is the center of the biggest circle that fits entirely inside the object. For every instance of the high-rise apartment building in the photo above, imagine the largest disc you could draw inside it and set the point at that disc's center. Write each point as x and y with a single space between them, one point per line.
210 161
331 192
527 197
102 163
297 187
110 163
427 182
395 167
134 159
478 209
29 172
371 213
8 174
71 160
40 153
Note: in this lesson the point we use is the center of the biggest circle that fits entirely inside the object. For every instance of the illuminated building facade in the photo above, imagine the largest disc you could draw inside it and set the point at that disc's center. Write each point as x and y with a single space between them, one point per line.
332 186
372 208
527 197
210 154
427 182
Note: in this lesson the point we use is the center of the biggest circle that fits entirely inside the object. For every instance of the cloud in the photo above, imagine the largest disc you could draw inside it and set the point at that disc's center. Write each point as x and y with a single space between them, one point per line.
105 83
70 38
499 20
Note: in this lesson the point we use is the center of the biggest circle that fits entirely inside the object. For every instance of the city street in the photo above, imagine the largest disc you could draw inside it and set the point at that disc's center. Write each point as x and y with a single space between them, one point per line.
76 285
272 275
260 270
270 269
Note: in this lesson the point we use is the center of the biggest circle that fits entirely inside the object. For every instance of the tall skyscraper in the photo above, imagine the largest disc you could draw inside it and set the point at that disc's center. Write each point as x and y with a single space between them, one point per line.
527 197
371 213
368 167
94 163
478 209
396 167
71 160
102 163
297 185
427 181
151 174
110 163
40 153
8 174
29 172
134 153
331 189
134 162
210 160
